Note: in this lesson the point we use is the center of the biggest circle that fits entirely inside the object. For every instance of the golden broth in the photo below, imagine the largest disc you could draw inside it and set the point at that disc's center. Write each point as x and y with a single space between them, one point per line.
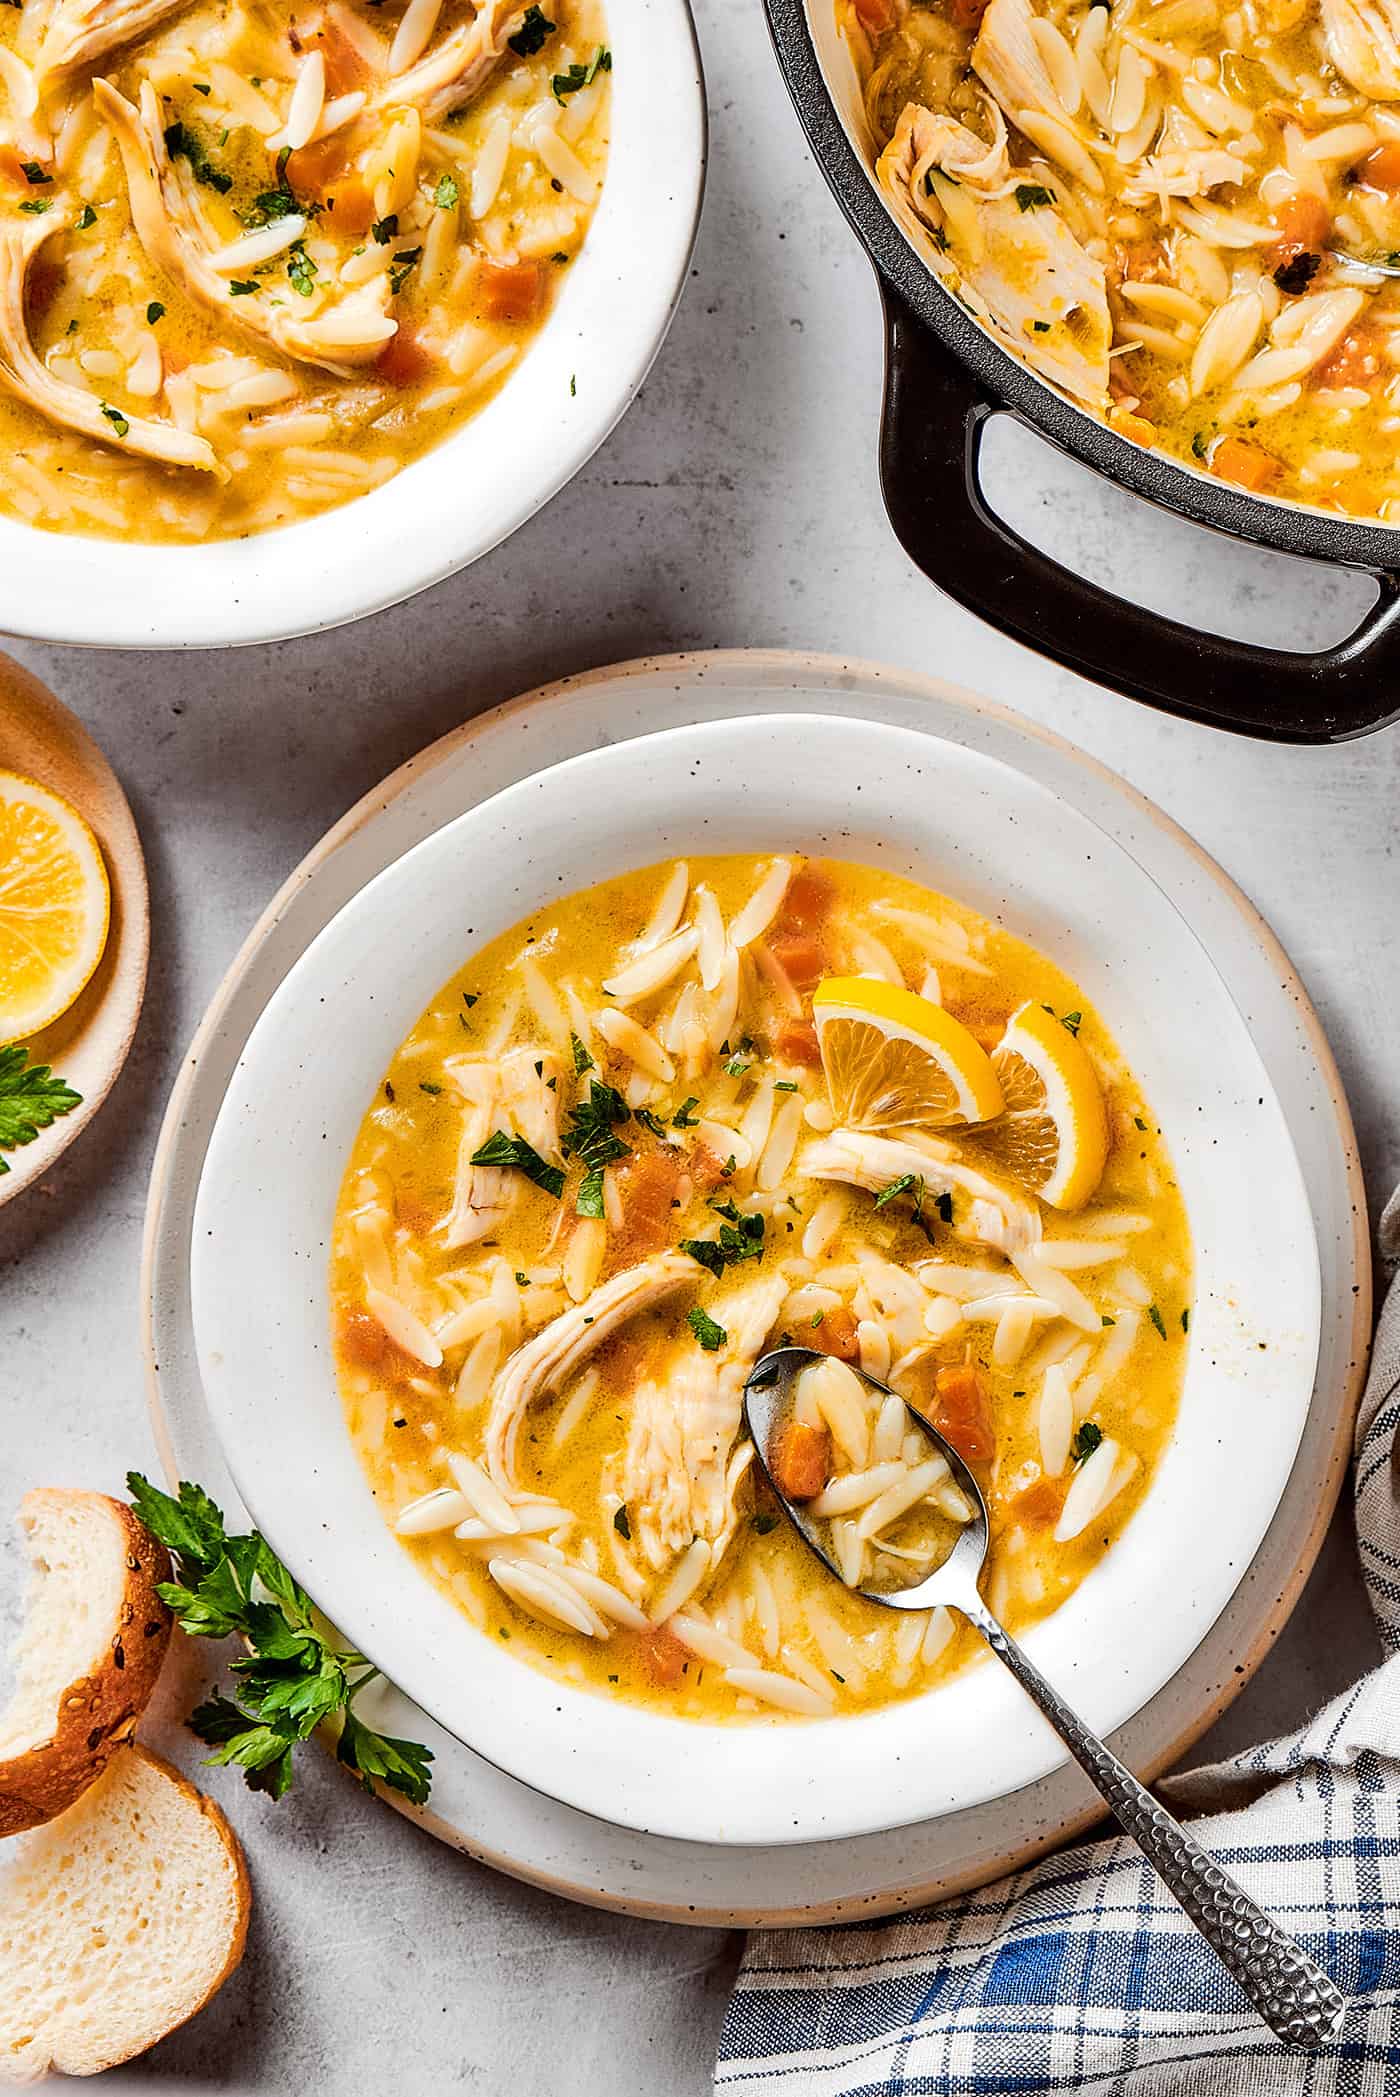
835 1269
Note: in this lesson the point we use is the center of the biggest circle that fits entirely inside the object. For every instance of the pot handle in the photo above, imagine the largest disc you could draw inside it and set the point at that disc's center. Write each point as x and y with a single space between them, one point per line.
935 418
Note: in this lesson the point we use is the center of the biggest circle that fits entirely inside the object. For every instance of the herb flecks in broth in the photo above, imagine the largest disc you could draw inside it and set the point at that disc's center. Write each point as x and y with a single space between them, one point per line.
253 266
1185 216
604 1174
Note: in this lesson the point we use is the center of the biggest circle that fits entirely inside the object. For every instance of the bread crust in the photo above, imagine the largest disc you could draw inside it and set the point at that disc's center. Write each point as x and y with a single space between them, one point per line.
99 1711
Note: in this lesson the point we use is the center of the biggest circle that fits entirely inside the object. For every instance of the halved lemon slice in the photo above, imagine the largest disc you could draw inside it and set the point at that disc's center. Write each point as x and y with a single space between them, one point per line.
1053 1136
893 1060
55 906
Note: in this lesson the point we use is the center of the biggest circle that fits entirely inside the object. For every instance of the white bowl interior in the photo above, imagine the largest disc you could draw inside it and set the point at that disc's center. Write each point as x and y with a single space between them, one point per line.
457 501
963 823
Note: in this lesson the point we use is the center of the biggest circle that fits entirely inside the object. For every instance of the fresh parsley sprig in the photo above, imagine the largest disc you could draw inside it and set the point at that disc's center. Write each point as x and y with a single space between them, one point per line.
31 1098
292 1676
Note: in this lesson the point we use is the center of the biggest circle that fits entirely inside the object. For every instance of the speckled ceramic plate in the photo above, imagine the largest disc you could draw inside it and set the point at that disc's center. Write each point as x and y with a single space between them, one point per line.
475 1805
88 1043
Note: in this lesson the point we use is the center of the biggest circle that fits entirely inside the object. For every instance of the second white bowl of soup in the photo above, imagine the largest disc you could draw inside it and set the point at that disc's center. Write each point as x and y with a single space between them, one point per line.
892 1055
303 316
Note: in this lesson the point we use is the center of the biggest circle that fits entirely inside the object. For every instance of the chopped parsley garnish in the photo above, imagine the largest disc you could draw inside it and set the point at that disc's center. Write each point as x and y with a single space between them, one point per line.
116 418
404 263
943 1203
737 1065
589 1136
895 1188
427 1085
35 205
154 312
1156 1316
1031 195
386 229
513 1151
740 1238
301 270
446 194
1138 1122
683 1118
1186 1320
582 1060
576 76
31 1098
182 143
1106 1320
34 174
765 1523
1086 1440
623 1525
271 204
200 87
784 1084
86 217
710 1335
590 1193
530 36
650 1121
1295 275
1040 327
470 998
243 287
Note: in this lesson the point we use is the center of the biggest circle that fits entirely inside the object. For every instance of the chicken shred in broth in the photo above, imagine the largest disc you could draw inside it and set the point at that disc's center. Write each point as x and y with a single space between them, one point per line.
1186 215
650 1133
253 260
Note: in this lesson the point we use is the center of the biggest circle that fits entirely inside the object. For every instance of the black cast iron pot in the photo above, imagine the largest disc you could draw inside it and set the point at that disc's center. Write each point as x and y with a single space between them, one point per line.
945 377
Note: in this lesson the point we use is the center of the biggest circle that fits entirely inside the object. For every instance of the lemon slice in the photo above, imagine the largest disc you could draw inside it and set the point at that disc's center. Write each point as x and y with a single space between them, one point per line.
1053 1136
55 906
892 1059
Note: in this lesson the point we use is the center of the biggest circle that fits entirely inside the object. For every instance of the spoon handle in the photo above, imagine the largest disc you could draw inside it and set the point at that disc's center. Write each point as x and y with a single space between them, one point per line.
1293 1994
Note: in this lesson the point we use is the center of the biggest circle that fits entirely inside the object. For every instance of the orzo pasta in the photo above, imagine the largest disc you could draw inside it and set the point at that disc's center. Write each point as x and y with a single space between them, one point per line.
254 260
669 1121
1185 215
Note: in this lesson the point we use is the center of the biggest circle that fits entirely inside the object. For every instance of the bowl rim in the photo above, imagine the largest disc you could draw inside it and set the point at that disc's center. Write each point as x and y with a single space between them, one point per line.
205 1275
579 375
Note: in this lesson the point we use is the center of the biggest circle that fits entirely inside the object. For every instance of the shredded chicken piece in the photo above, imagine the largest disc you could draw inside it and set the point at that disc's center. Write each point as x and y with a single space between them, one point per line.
561 1348
511 1093
684 1424
1007 57
1002 239
24 375
449 77
338 338
80 32
997 1215
1363 40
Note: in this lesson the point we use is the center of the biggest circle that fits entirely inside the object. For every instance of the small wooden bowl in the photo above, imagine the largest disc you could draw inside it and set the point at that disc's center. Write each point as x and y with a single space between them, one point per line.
88 1044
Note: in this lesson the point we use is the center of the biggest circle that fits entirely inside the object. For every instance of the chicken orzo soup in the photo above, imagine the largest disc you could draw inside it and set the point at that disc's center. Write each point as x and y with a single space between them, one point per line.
1185 215
255 260
675 1120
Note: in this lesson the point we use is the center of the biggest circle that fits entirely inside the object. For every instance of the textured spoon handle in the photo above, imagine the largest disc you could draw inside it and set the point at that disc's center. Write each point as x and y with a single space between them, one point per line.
1290 1991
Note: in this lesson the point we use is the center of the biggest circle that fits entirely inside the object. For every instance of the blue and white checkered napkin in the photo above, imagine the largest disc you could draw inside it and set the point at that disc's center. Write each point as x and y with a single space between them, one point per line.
1082 1974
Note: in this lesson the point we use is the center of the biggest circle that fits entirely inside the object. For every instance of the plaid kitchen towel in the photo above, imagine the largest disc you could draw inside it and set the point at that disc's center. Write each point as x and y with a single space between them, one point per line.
1082 1974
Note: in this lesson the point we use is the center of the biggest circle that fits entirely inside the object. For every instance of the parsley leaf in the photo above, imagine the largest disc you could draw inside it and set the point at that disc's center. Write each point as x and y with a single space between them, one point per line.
1086 1440
683 1118
576 76
385 229
36 206
622 1524
404 263
301 270
589 1136
31 1098
530 36
740 1238
1031 195
291 1677
895 1188
513 1151
34 174
590 1193
243 287
1156 1316
116 418
710 1335
182 143
154 312
86 217
582 1060
446 194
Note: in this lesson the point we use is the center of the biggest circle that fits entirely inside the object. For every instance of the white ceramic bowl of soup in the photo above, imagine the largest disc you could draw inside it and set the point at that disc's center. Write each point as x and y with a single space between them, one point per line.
456 501
962 824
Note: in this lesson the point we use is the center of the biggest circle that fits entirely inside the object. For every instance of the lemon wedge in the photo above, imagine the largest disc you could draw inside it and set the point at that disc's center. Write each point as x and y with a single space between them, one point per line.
1053 1137
893 1060
55 906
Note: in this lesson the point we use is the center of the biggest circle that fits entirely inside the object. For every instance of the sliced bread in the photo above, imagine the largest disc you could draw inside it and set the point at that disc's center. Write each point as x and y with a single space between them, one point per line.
89 1654
117 1921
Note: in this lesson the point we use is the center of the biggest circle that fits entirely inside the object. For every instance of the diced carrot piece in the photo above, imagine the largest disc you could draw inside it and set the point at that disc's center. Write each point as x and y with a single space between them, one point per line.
349 206
511 291
1039 1505
1140 262
808 901
706 1169
663 1656
798 1044
364 1341
1356 361
315 170
1247 465
1303 222
875 16
962 1413
403 361
345 66
800 1459
1135 427
800 959
1381 169
836 1334
647 1186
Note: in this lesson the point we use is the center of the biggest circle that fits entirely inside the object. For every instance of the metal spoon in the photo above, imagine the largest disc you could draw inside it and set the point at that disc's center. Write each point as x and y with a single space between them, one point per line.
1291 1993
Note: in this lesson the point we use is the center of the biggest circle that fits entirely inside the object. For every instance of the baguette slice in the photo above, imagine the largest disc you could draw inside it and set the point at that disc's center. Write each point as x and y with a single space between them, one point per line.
117 1921
90 1652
